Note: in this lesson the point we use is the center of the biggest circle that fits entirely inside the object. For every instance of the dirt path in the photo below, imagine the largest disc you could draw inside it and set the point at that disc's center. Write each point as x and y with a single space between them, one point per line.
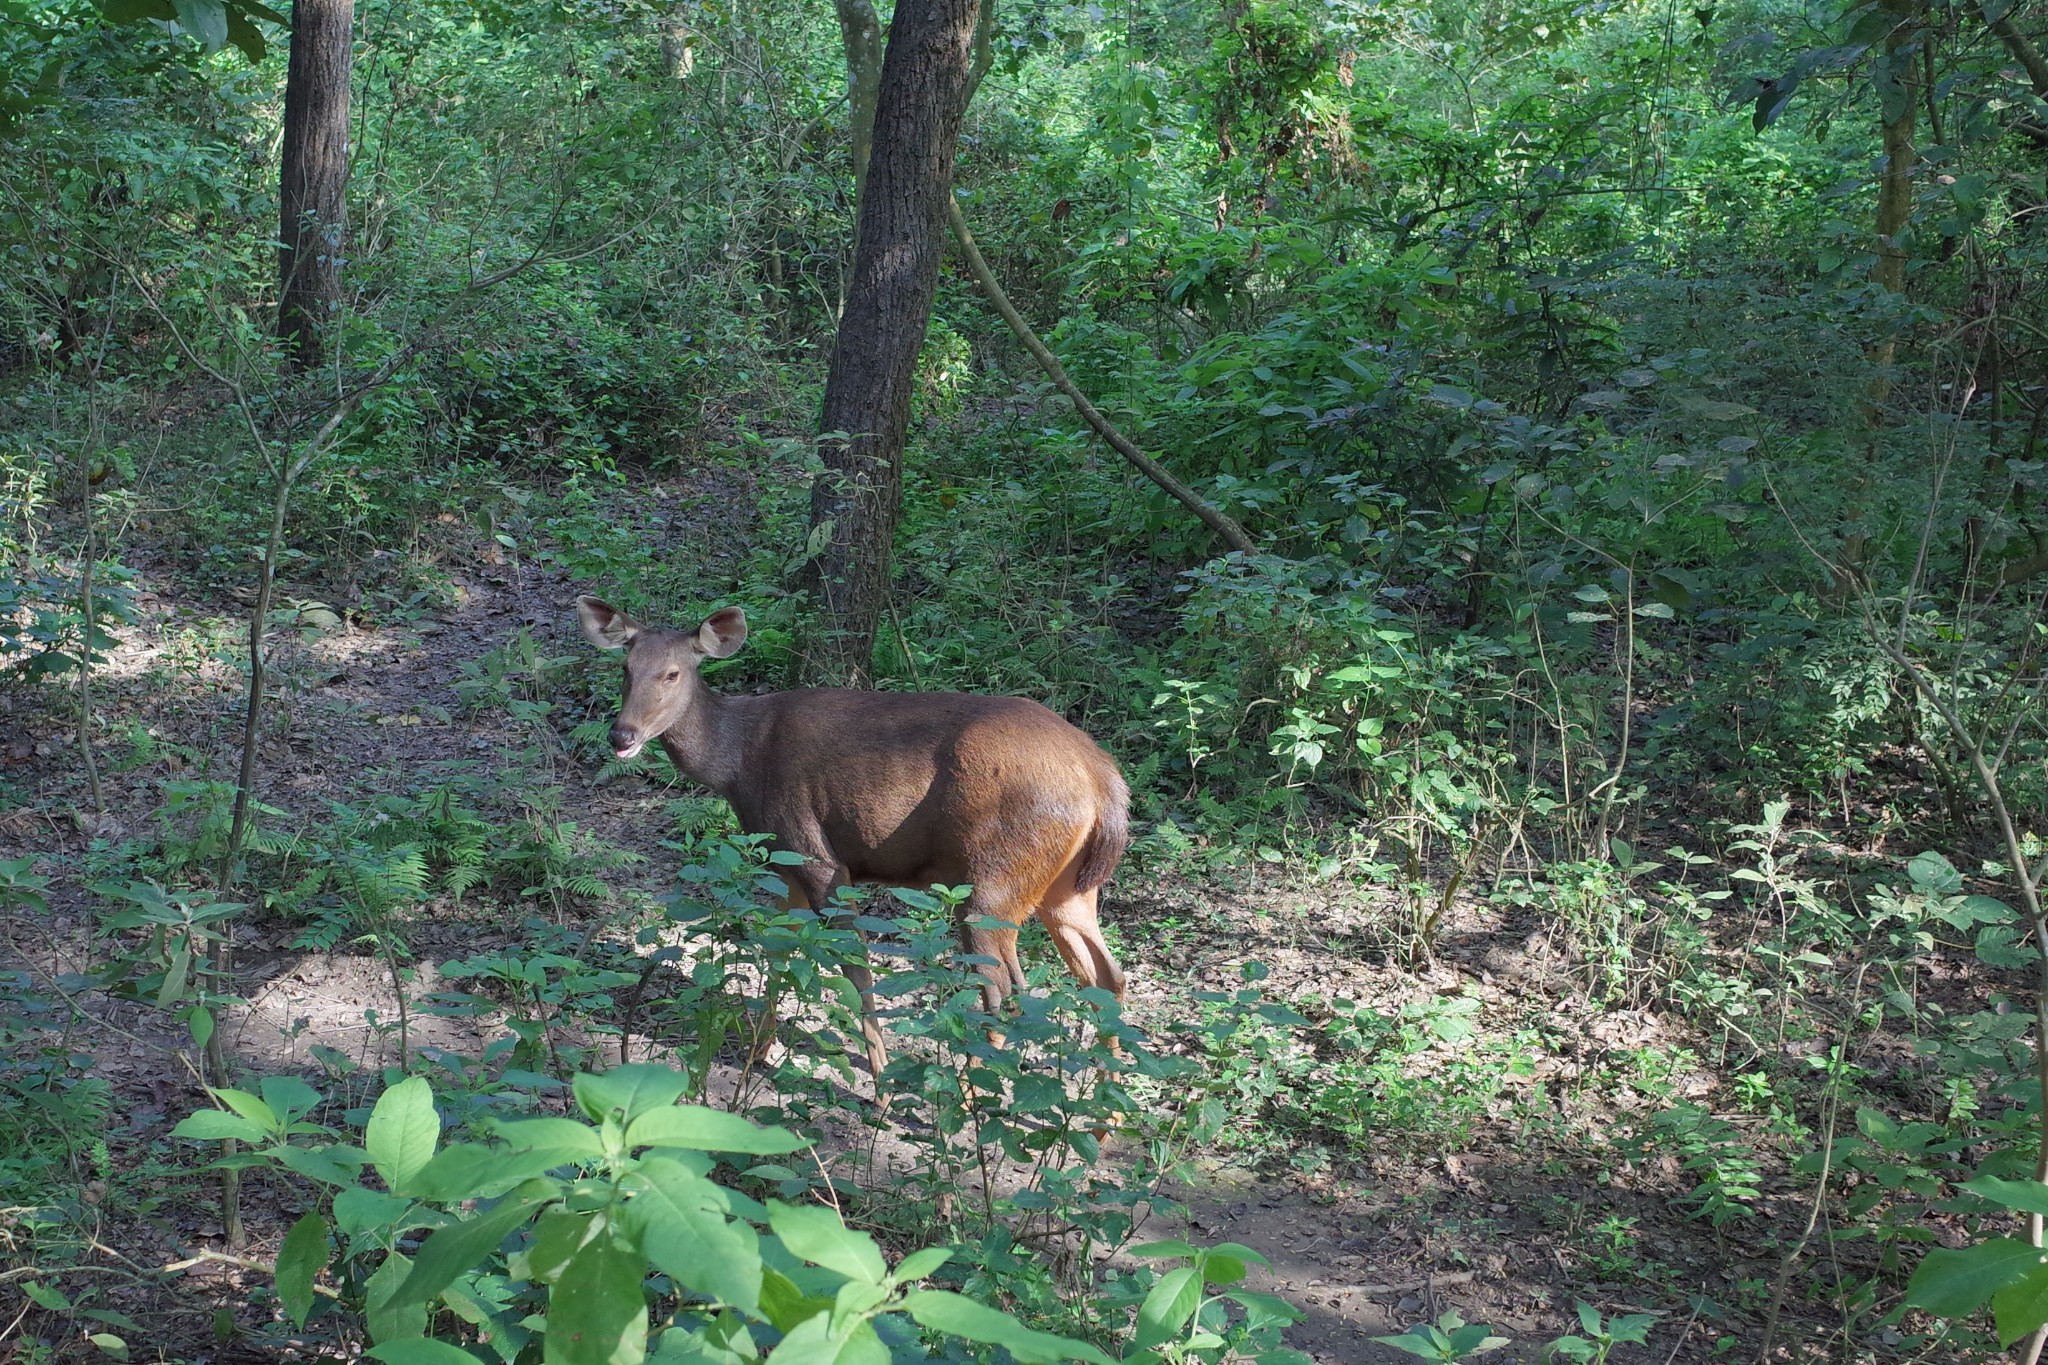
1364 1244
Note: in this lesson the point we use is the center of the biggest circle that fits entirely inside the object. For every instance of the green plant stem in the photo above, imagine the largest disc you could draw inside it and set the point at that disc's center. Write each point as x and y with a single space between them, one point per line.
2029 881
85 584
1831 1114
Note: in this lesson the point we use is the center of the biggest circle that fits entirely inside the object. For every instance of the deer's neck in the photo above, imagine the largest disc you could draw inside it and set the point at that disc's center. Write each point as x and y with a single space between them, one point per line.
708 744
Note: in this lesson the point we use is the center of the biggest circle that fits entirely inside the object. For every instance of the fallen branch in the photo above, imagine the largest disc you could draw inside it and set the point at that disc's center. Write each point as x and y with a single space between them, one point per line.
1214 518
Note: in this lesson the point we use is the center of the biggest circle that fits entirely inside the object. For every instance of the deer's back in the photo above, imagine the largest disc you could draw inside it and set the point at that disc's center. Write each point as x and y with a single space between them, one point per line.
917 787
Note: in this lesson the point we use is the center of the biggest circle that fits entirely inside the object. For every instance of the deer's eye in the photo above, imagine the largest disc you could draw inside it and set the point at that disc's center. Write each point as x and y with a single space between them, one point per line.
671 675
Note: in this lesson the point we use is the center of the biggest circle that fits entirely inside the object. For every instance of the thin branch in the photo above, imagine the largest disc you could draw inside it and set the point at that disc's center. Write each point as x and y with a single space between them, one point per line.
1222 523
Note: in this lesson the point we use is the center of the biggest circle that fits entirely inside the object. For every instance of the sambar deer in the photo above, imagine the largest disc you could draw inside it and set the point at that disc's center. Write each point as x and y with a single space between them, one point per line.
892 789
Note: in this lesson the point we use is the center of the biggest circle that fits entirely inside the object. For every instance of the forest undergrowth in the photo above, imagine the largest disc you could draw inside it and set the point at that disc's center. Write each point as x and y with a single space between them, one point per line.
1580 684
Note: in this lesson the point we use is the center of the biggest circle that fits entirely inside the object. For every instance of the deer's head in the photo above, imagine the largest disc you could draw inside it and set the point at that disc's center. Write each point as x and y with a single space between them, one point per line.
661 666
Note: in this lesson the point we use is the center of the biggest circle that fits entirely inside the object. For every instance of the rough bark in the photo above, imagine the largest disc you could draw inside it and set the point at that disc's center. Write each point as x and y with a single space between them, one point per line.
900 238
313 183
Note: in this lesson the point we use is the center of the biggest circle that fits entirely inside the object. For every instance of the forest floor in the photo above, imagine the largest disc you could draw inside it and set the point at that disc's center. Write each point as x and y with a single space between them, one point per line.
1528 1217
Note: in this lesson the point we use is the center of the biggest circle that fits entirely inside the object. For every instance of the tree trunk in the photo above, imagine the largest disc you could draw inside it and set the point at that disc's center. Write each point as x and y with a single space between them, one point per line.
860 32
313 184
1899 101
899 239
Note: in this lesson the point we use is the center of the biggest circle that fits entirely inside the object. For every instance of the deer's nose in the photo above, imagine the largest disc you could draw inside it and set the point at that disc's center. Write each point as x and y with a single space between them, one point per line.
626 740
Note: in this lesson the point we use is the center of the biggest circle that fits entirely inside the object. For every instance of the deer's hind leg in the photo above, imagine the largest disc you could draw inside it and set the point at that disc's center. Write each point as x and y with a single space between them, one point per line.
1071 919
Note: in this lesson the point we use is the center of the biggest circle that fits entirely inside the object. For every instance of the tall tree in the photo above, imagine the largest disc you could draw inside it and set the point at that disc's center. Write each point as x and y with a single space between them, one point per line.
313 183
900 236
860 32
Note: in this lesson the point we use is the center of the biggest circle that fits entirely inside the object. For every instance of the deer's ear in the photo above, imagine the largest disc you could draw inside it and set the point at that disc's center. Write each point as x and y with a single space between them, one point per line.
723 632
604 625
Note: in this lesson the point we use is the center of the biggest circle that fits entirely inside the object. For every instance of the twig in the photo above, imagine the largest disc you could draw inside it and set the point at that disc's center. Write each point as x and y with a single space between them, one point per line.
1222 523
239 1262
1830 1116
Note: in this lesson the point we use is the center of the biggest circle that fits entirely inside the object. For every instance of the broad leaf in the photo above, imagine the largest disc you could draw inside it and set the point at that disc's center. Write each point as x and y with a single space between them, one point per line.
1168 1307
358 1210
629 1091
919 1264
945 1311
288 1097
402 1132
206 20
216 1124
697 1128
530 1135
390 1316
1951 1284
597 1315
453 1250
298 1261
2021 1306
2028 1196
679 1219
470 1170
421 1351
818 1235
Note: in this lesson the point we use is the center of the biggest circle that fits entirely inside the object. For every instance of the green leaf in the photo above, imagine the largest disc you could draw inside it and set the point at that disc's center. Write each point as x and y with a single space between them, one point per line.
246 37
944 1311
1261 1308
390 1316
298 1261
249 1107
1168 1307
567 1135
1162 1250
358 1210
2028 1196
813 1342
1218 1268
453 1250
1953 1284
783 1304
402 1132
324 1164
470 1170
597 1314
1238 1251
214 1124
136 11
919 1264
289 1097
557 1236
818 1235
679 1219
206 20
421 1351
2021 1306
629 1091
700 1129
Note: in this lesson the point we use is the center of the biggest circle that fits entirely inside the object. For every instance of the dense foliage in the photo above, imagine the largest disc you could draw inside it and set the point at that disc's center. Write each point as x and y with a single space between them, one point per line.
1640 413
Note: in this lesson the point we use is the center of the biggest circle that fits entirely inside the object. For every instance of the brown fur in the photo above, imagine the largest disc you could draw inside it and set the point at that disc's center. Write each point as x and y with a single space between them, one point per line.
893 789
